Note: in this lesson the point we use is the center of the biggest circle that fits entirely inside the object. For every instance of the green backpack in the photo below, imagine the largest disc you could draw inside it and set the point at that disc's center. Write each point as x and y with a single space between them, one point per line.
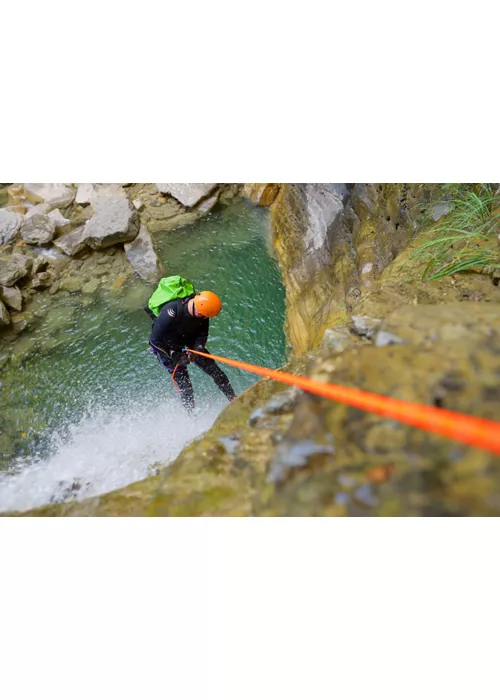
168 289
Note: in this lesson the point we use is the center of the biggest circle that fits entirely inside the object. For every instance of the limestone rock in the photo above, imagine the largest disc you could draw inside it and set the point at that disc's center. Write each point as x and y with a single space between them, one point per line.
59 220
208 204
40 264
142 256
38 230
11 297
72 243
4 315
383 338
41 280
10 223
84 193
113 221
38 209
187 194
441 209
24 261
11 270
365 326
54 194
337 339
322 207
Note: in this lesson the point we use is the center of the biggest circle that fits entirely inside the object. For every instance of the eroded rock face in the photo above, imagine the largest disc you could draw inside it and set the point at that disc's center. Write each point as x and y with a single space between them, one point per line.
334 241
262 194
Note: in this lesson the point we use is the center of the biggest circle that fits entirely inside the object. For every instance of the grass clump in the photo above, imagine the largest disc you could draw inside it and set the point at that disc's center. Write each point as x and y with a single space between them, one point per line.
467 237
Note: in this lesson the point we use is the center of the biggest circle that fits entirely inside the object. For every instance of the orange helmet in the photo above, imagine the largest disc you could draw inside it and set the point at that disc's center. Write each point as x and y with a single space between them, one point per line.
207 303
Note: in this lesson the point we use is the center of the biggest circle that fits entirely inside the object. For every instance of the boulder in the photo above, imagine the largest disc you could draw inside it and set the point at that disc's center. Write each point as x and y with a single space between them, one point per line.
141 255
337 339
40 263
41 280
59 220
38 230
12 270
72 243
10 223
188 194
208 204
23 261
84 193
4 315
53 194
38 209
11 297
441 210
113 221
365 326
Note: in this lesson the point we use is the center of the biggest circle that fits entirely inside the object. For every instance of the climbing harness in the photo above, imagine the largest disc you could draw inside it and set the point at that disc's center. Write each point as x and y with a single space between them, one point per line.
478 432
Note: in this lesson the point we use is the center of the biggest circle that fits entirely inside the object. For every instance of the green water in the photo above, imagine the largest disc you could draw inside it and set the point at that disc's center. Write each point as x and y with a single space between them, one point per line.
92 355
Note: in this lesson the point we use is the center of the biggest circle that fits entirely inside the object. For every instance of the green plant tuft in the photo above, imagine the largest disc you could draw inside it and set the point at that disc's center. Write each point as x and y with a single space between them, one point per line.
466 239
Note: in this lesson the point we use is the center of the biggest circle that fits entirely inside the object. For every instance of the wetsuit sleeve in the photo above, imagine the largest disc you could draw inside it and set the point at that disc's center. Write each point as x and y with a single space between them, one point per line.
201 339
163 328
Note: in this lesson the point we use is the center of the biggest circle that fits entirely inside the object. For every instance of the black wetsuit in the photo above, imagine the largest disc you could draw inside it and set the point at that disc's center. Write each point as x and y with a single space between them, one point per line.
175 329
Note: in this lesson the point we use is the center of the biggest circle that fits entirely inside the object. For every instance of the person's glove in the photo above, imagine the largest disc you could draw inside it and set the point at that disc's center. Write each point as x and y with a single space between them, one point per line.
177 356
181 358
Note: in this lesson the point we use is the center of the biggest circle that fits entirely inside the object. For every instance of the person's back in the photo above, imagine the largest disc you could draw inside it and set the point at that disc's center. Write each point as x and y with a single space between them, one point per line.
175 327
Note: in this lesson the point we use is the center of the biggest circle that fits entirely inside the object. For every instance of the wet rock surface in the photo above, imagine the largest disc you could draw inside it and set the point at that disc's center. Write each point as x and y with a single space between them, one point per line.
293 453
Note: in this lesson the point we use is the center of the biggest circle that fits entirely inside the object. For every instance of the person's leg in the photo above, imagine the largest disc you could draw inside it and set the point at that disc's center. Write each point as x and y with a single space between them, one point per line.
220 378
182 383
181 380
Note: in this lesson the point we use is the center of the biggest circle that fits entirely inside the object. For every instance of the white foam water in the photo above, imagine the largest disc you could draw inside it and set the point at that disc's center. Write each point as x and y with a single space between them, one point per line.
107 450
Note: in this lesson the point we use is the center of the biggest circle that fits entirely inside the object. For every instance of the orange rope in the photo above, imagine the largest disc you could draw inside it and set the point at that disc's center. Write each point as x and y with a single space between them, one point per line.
173 379
478 432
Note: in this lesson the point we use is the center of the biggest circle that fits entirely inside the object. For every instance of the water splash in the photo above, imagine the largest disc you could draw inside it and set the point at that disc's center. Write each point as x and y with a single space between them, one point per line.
104 451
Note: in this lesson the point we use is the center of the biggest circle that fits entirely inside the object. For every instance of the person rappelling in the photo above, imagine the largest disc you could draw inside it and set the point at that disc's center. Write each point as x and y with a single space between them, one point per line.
181 322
